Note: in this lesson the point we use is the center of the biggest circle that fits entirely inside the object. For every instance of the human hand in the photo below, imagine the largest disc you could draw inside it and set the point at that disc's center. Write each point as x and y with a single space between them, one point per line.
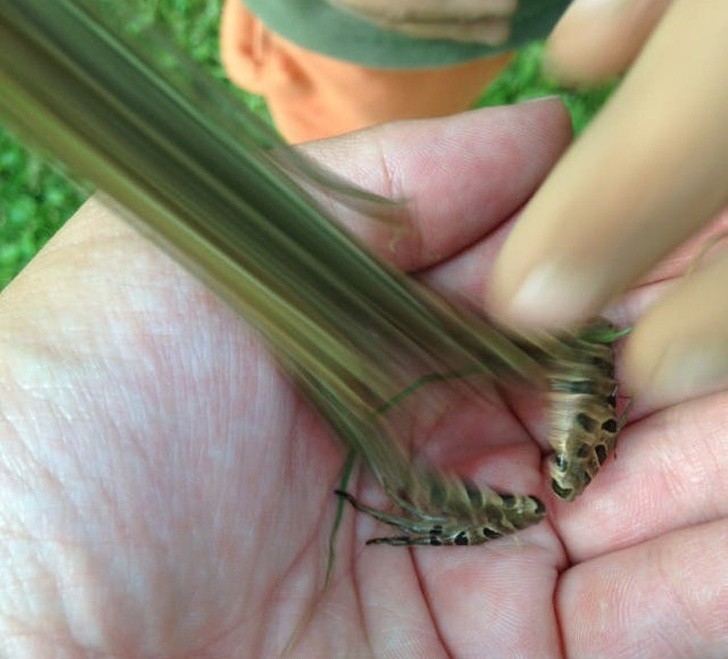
478 21
650 171
165 492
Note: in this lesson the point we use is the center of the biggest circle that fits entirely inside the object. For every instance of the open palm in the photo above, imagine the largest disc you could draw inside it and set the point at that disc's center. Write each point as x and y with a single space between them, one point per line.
165 491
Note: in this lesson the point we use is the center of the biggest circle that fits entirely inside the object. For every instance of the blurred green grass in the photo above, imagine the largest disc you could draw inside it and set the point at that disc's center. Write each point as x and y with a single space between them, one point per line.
36 199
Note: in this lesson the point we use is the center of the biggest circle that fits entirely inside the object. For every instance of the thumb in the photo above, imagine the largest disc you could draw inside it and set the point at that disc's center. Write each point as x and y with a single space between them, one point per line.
598 39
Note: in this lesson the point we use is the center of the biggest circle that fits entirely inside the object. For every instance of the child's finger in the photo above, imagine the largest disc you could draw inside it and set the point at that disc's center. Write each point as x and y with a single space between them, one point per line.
647 174
594 41
679 348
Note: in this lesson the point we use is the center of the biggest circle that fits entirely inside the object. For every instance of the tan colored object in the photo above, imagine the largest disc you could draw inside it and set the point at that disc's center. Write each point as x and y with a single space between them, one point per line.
477 21
594 41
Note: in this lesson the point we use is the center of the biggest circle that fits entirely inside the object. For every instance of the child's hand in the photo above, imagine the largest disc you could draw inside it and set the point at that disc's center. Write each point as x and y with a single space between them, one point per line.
650 171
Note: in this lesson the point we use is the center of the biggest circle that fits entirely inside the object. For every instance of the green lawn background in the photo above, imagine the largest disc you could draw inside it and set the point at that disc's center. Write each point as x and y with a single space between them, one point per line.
35 199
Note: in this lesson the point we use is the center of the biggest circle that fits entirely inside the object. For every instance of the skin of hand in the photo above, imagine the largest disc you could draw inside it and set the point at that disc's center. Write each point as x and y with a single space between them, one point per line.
649 172
476 21
164 491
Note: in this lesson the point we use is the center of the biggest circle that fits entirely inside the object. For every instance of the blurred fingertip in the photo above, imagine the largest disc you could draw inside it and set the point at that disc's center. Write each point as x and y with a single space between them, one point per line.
545 298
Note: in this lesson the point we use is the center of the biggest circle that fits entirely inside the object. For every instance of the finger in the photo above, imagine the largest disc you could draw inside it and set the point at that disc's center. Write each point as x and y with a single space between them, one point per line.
594 41
482 601
670 472
663 598
658 282
679 348
496 601
651 169
461 176
464 276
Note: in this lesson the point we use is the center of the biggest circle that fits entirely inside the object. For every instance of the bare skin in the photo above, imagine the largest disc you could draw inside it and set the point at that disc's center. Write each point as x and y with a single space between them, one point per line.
650 171
164 491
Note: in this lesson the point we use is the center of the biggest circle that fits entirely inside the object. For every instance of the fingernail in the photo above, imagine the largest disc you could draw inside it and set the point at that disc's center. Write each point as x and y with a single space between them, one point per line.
550 296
